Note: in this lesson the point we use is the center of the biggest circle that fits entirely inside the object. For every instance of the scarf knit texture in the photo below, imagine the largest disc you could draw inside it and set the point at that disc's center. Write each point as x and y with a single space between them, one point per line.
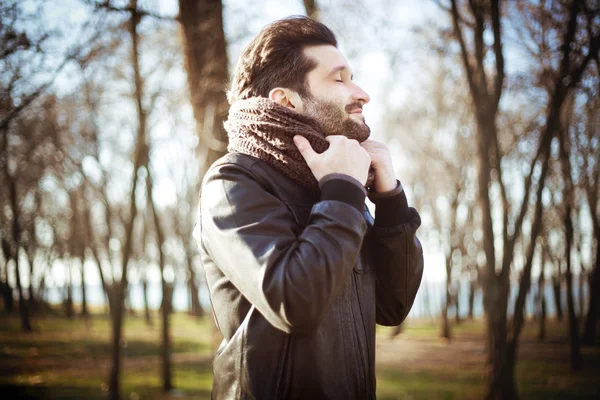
261 128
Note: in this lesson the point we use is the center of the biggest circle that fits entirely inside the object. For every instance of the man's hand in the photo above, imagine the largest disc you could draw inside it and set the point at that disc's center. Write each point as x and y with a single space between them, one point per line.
381 161
344 156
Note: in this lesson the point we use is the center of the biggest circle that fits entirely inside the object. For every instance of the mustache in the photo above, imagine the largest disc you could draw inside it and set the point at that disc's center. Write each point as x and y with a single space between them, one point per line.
353 106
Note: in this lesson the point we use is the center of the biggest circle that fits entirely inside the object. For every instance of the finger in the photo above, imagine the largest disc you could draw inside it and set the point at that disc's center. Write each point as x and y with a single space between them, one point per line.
305 148
334 138
372 141
370 144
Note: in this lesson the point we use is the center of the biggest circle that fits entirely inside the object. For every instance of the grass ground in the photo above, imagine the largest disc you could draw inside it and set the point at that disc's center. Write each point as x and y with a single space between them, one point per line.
70 359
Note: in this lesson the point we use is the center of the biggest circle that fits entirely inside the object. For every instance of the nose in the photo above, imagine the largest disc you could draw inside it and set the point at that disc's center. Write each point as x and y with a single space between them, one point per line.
360 95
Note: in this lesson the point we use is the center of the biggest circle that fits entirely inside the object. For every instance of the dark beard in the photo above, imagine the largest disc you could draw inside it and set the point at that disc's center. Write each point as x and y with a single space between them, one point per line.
334 121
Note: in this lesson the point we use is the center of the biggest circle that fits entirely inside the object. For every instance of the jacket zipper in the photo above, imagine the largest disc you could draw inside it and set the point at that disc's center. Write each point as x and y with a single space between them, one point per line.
366 374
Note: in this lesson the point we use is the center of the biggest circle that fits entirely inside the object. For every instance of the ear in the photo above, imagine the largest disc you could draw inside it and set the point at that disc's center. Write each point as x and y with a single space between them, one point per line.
287 98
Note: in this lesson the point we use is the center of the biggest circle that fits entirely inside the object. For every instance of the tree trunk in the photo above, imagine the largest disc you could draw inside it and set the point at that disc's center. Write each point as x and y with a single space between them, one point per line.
23 305
128 303
576 359
472 286
445 328
500 369
195 307
140 157
33 305
69 312
533 295
569 196
542 303
457 303
311 9
5 289
115 372
77 242
42 297
499 364
147 315
556 290
16 240
206 63
84 307
111 296
106 286
7 297
581 281
167 292
589 336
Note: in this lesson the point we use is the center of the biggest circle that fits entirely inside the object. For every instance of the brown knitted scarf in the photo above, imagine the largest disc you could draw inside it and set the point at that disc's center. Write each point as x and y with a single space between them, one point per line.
264 129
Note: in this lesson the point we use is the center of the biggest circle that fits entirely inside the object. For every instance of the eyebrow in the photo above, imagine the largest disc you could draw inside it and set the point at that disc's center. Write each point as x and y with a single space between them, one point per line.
340 68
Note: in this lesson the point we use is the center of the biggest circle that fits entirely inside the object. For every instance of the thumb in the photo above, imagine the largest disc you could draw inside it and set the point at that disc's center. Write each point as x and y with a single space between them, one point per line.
305 148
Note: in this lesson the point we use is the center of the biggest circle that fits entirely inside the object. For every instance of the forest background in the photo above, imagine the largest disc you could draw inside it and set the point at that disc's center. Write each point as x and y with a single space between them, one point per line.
111 111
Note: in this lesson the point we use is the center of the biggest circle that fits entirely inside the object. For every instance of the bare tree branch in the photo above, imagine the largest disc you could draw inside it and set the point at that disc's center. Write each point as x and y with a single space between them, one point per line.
131 10
499 80
464 52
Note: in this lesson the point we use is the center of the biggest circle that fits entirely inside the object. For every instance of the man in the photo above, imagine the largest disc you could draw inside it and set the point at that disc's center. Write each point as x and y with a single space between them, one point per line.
298 271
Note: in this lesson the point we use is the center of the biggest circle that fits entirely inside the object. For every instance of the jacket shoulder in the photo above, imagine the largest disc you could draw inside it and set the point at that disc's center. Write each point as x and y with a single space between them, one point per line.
269 177
243 160
238 164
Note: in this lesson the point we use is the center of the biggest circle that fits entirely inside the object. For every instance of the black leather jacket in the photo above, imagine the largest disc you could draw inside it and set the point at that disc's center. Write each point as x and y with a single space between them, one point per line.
298 283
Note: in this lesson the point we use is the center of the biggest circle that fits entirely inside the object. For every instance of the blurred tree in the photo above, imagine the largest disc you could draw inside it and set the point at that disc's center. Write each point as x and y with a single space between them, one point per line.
97 241
140 161
29 129
565 162
575 144
483 20
557 279
140 158
77 242
312 10
141 255
167 291
441 145
24 143
183 230
206 62
6 291
588 148
541 298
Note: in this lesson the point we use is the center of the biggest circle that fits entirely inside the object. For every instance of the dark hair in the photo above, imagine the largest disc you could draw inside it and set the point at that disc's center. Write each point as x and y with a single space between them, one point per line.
275 58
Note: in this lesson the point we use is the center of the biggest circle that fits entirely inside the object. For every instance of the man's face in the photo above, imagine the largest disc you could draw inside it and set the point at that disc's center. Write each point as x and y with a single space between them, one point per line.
335 102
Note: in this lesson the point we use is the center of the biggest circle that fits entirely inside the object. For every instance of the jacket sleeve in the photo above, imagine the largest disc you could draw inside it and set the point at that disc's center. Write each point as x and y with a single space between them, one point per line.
288 273
397 254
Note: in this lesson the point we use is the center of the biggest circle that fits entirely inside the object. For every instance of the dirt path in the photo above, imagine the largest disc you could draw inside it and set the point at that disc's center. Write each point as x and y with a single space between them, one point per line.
467 352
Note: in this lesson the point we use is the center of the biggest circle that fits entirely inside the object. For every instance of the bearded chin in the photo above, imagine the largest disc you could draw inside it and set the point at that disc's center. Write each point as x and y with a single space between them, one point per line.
333 121
354 130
